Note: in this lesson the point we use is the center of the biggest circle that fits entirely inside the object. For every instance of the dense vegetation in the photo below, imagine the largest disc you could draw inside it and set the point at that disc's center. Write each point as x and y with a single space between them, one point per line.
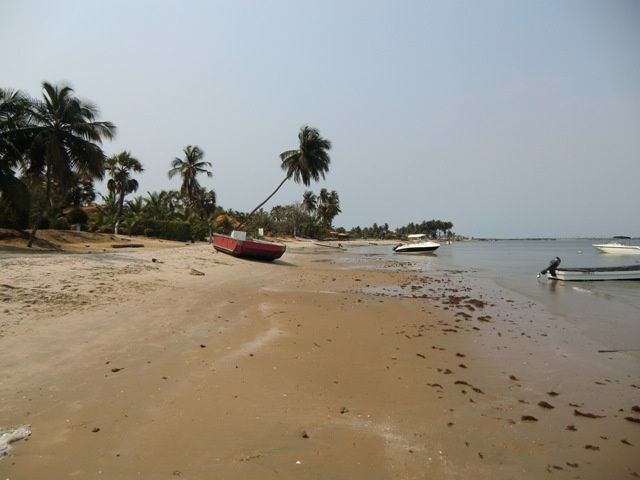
432 228
51 154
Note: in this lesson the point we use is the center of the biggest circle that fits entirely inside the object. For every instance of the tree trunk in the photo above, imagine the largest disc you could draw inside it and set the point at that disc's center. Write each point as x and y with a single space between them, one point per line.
118 213
265 201
43 209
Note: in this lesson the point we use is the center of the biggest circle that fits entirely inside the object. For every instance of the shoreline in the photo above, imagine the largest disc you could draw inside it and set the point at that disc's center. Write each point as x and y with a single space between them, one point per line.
363 372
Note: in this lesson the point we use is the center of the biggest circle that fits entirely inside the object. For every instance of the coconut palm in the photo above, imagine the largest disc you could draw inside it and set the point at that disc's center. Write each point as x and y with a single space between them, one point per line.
66 140
329 207
161 205
120 168
14 108
310 161
309 202
189 168
14 118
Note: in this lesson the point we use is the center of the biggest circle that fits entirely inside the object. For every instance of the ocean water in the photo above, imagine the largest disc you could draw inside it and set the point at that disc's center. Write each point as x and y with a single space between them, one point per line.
608 312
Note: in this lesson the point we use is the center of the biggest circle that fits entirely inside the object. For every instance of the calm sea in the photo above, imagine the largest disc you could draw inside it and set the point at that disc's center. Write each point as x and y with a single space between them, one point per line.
608 312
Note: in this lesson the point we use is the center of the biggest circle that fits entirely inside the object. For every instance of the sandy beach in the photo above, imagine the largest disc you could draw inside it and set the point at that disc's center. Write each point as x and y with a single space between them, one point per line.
172 361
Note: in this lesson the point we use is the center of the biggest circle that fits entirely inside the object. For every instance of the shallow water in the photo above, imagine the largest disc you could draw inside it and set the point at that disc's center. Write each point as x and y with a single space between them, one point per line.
608 312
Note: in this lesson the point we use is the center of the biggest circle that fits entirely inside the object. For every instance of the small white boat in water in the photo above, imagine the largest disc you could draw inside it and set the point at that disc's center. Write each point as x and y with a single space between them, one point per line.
589 274
417 244
617 248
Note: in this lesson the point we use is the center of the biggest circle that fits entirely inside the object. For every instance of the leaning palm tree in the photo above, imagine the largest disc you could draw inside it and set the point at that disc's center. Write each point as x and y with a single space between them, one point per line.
310 161
120 168
66 140
189 168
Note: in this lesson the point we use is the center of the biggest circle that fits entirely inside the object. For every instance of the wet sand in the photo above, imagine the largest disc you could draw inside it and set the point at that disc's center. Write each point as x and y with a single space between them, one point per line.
297 369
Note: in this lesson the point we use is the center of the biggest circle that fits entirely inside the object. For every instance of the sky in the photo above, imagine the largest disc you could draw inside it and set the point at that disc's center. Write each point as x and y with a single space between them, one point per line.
507 118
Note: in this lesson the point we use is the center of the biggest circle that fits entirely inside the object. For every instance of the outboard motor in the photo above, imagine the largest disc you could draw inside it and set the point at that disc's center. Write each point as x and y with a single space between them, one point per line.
555 263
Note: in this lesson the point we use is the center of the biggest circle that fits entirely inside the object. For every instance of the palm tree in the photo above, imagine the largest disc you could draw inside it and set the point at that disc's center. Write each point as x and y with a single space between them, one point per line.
329 207
120 168
161 205
188 169
66 140
14 108
309 202
310 161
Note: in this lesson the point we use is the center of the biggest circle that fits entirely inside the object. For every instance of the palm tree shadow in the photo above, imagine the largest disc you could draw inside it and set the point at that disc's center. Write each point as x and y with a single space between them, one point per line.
284 263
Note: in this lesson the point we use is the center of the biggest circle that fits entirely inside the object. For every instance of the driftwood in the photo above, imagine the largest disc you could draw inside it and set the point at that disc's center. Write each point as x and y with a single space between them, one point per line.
127 245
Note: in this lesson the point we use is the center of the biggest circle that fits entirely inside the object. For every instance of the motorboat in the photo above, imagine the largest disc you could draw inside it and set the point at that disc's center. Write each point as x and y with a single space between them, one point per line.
616 247
417 243
555 272
239 245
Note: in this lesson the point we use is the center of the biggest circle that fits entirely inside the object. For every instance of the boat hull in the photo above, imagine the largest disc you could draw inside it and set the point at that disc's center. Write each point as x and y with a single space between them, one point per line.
618 249
424 247
254 249
596 274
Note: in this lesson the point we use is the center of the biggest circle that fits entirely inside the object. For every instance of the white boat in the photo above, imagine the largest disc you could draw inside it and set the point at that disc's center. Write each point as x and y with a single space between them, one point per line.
417 244
326 245
589 274
617 248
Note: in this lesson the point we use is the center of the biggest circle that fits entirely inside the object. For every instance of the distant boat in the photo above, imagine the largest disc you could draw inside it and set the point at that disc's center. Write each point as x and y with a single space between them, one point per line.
417 244
555 272
326 245
238 245
618 248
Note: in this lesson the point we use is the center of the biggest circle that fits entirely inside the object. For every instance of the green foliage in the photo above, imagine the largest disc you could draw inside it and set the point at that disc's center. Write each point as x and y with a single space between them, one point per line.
431 228
180 231
61 223
77 215
168 230
44 223
14 203
200 230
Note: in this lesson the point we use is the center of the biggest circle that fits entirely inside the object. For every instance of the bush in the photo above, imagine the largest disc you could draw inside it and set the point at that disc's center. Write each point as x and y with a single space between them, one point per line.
61 223
180 231
169 230
44 224
77 215
13 218
200 230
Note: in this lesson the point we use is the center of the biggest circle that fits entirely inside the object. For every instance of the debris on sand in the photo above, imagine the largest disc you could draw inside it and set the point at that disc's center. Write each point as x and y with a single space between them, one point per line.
544 404
528 418
127 245
9 436
578 413
193 271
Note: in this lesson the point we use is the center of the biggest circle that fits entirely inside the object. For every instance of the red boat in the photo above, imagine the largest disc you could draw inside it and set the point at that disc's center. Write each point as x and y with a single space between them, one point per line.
240 246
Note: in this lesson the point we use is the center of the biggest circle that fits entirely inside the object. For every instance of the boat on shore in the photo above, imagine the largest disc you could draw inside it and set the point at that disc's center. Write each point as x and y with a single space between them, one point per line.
239 245
589 274
326 245
417 244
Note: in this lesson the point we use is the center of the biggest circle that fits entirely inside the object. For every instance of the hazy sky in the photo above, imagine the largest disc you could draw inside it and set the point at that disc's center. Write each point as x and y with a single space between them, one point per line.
508 118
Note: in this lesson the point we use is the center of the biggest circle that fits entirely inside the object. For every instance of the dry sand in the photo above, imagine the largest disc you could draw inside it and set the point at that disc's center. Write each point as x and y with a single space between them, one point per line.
128 368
